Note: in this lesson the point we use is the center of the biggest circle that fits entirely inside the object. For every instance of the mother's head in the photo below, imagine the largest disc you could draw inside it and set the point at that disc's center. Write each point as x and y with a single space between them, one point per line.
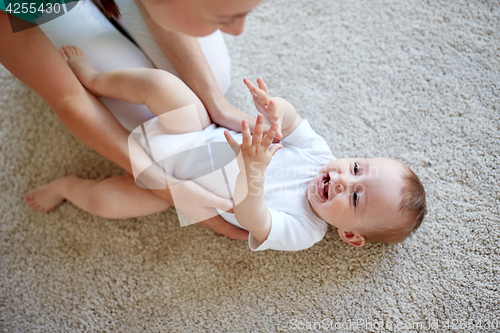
195 17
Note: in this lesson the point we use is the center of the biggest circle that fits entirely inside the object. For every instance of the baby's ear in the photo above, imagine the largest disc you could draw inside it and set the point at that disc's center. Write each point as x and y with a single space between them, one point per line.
351 238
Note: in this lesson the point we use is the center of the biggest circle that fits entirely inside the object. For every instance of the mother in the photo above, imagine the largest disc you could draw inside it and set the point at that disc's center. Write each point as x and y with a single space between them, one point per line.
165 31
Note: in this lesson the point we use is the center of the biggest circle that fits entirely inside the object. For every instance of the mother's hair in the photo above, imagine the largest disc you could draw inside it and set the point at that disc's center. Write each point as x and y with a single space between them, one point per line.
108 7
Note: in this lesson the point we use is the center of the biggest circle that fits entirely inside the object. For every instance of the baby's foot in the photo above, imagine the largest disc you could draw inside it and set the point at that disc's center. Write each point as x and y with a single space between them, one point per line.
47 197
79 64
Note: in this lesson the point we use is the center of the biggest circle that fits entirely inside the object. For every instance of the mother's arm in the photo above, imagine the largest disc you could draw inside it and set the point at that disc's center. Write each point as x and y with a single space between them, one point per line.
185 54
32 58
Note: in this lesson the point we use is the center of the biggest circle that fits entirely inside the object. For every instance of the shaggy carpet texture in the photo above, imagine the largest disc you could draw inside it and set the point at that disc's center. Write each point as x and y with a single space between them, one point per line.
413 80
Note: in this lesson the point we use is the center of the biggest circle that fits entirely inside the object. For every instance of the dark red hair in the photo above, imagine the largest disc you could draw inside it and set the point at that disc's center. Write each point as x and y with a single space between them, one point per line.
108 7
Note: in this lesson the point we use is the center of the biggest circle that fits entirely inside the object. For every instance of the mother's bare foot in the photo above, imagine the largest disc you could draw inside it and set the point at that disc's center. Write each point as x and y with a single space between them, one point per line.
47 197
80 65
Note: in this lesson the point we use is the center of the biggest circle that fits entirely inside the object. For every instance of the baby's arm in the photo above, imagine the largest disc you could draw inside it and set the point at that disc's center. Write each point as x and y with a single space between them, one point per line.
249 206
274 109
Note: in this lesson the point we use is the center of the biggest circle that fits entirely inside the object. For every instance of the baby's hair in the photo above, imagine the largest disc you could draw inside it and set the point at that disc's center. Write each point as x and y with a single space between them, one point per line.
412 211
413 204
108 8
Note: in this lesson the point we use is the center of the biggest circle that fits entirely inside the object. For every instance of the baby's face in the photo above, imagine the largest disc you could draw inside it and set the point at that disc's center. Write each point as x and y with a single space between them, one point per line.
355 194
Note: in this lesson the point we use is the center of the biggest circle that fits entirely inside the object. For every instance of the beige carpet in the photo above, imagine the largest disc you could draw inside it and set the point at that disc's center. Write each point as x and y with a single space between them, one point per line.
410 79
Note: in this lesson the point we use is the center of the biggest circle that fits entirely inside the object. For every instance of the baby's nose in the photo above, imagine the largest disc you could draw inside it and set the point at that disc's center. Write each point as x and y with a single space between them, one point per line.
338 188
337 181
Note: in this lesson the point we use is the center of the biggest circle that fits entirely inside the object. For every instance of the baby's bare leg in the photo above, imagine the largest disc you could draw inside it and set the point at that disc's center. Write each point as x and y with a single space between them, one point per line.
159 90
113 198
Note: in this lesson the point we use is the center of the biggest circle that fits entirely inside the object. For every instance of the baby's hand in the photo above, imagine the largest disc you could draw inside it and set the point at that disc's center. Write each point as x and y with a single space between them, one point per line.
256 150
265 105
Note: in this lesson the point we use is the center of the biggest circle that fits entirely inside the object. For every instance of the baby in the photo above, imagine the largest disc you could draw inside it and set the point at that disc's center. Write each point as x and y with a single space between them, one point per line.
285 194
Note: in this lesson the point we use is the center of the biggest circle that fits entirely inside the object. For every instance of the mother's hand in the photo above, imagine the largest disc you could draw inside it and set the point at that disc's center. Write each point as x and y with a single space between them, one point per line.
225 114
186 56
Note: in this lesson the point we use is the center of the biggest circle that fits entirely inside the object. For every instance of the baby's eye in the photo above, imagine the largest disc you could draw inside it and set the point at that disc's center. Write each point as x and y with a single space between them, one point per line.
355 198
356 168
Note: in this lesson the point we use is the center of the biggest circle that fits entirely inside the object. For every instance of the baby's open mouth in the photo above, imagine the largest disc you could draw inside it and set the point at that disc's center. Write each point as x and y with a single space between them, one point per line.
324 186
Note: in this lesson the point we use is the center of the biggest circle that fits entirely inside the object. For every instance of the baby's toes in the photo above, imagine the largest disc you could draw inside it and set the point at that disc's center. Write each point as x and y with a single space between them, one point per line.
63 53
67 51
70 50
75 50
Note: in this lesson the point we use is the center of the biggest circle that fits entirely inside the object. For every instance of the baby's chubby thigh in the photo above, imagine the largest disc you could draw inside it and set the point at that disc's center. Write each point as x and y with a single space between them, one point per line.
106 48
178 108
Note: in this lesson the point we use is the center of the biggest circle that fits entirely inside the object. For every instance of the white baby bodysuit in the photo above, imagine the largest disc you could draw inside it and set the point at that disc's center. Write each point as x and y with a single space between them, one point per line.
294 225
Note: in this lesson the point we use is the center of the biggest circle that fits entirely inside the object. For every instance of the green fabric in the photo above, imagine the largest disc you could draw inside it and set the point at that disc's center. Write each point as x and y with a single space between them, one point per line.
33 8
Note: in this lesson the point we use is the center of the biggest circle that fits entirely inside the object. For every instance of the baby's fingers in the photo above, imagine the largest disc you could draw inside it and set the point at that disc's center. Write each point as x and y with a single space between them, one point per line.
263 96
268 138
262 84
274 149
258 131
247 136
259 95
235 146
249 85
279 135
271 108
